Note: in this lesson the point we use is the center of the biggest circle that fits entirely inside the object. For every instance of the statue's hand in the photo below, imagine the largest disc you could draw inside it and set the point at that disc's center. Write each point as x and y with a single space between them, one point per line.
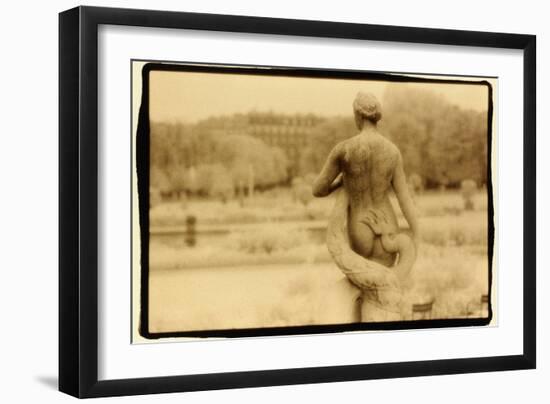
378 222
337 183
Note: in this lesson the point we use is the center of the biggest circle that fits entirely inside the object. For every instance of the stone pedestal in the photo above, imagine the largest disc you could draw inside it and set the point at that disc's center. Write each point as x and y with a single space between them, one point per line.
373 312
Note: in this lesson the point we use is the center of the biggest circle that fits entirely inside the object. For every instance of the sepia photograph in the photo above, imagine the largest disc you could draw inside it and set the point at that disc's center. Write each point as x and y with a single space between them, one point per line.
279 201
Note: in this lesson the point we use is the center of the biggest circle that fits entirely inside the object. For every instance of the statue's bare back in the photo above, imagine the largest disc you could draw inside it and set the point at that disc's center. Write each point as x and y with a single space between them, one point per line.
368 162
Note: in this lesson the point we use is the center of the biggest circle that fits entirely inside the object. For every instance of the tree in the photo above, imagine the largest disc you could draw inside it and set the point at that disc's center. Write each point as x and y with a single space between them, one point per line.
222 186
468 188
302 191
160 185
439 141
243 154
323 138
416 184
207 176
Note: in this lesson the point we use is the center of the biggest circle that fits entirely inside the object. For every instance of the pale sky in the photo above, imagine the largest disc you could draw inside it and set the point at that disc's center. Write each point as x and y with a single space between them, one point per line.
190 97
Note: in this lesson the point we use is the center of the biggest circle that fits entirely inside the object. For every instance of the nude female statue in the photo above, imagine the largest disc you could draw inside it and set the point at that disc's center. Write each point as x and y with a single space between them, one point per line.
368 166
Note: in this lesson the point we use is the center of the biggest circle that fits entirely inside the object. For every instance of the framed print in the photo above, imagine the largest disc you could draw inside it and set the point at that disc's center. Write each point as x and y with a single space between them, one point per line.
251 201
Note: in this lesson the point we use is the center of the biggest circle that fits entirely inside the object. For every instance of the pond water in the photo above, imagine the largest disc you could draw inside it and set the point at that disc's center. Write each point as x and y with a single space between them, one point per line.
181 238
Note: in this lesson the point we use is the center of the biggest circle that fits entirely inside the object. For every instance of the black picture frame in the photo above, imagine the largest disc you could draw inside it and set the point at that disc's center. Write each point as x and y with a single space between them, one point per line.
78 201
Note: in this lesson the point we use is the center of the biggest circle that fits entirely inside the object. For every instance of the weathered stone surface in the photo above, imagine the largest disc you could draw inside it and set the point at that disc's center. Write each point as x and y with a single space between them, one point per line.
363 236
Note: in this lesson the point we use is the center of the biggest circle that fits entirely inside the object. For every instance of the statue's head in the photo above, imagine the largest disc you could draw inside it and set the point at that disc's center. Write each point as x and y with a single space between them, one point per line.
366 108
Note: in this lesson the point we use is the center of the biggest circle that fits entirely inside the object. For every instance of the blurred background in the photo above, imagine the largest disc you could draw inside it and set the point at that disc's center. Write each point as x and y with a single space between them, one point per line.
237 239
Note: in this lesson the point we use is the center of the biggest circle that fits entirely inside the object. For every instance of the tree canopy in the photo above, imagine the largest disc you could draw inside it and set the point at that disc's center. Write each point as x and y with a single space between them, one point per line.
199 161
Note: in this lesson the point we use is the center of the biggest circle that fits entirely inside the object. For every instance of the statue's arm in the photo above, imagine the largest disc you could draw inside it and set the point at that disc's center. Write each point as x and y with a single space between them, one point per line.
399 183
329 178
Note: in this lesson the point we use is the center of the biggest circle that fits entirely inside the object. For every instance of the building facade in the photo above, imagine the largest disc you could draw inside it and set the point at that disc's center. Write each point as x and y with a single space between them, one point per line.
290 133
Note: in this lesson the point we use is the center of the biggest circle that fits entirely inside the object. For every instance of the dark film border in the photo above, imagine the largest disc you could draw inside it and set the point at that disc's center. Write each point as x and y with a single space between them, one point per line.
142 151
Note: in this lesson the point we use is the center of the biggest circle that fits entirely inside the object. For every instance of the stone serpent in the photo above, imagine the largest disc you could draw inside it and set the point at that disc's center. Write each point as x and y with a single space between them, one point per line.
381 288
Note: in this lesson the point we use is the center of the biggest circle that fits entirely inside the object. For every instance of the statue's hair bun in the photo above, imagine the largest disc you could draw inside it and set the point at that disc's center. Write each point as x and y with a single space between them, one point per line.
367 106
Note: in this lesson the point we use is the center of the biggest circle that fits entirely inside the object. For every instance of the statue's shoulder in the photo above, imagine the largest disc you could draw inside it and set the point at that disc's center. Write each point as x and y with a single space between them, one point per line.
390 151
342 146
392 147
